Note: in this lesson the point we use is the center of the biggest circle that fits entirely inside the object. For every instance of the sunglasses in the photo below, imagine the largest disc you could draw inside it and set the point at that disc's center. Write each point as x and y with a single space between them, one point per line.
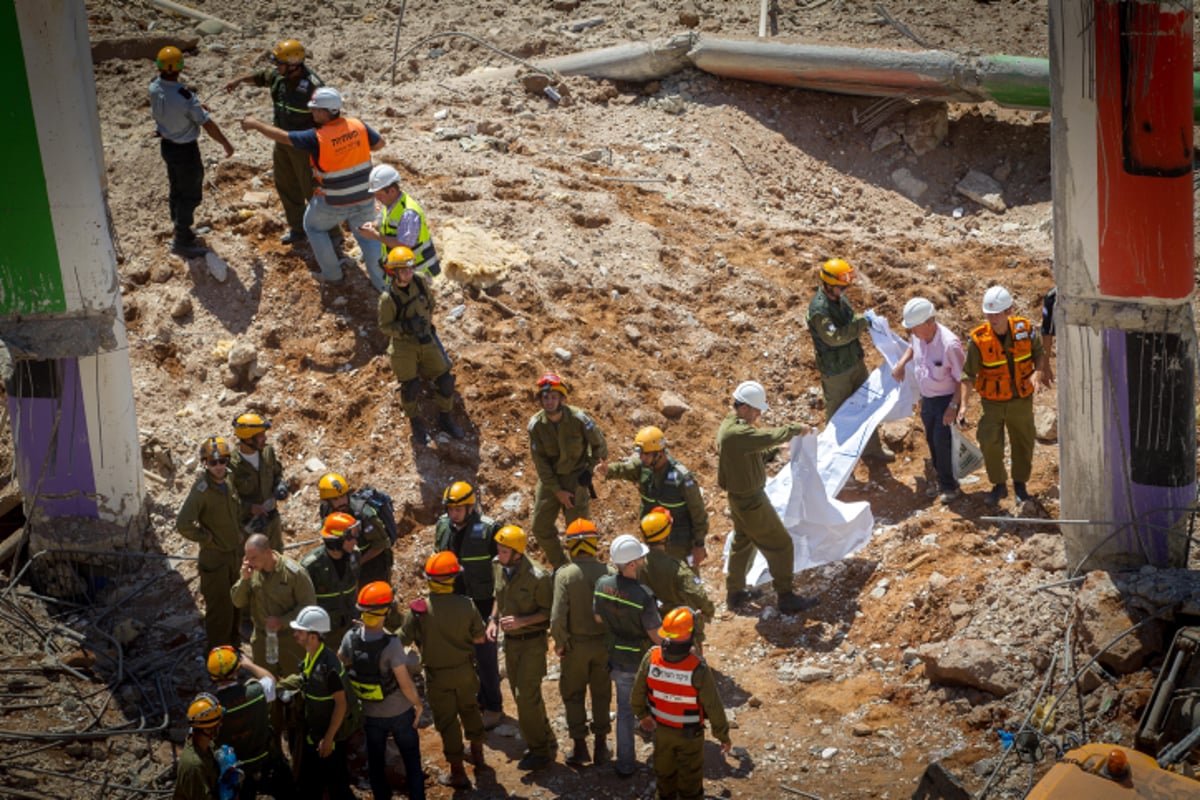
212 462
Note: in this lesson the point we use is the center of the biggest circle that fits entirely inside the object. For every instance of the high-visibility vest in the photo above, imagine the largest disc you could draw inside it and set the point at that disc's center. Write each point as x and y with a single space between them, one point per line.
674 701
995 379
425 255
342 168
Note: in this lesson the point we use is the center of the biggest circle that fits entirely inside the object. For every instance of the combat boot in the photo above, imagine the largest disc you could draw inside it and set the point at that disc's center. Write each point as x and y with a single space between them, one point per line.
791 603
579 756
477 756
600 753
447 424
420 436
457 778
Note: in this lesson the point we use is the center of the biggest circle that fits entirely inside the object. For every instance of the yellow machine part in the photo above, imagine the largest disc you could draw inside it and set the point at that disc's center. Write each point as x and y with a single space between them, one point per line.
1081 774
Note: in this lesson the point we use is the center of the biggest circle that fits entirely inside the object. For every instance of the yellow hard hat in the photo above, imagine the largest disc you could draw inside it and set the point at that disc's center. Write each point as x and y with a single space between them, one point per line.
399 257
289 51
459 493
205 712
656 525
650 440
223 661
512 537
214 446
332 486
249 425
837 272
169 59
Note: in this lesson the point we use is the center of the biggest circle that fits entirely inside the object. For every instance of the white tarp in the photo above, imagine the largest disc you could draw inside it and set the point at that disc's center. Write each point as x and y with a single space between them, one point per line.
804 494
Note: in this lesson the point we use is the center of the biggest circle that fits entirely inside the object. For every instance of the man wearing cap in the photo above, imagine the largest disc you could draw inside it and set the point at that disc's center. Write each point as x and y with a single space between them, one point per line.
630 612
1006 364
937 356
339 149
743 452
566 445
274 588
401 221
291 84
664 482
178 118
835 330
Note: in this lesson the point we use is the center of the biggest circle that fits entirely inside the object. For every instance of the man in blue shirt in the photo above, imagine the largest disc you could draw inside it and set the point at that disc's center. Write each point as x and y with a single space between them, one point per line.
178 117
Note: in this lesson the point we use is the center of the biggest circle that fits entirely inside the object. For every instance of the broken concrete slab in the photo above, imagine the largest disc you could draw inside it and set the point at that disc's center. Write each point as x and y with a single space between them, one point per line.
983 189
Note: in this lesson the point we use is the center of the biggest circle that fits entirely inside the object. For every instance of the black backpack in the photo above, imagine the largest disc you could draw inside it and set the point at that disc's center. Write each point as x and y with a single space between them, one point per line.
384 508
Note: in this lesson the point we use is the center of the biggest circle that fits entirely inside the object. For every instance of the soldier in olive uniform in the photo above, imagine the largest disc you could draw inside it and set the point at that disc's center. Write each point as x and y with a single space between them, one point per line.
630 613
247 724
447 628
566 446
471 537
673 584
674 692
333 570
743 452
211 517
198 776
524 596
405 314
665 482
579 640
274 588
835 329
374 545
258 477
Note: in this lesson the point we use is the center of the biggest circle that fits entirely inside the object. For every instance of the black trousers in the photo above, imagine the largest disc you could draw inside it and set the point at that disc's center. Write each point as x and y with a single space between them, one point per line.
185 176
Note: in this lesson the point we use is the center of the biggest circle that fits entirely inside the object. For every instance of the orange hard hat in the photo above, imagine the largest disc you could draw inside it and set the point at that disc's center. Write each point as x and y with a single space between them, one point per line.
678 624
442 566
375 596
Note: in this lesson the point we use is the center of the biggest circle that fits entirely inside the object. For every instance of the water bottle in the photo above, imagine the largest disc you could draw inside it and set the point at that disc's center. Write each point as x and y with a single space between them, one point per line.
272 647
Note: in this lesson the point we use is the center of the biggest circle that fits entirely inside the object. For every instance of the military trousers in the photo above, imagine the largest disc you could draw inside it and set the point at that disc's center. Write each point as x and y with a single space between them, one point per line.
293 182
545 517
757 526
838 389
526 663
222 619
584 669
451 694
1016 417
679 762
411 359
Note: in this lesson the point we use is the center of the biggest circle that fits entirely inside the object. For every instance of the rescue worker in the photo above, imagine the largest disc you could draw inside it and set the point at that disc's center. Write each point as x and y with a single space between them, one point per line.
835 330
674 585
178 118
566 446
1049 300
291 84
374 546
275 589
197 776
579 641
665 482
377 670
1006 364
743 451
471 536
247 723
258 477
447 628
937 356
401 221
327 719
524 596
405 314
333 570
211 517
339 150
629 611
674 693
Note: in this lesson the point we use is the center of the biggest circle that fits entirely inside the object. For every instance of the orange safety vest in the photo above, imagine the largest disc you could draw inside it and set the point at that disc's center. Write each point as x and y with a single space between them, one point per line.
995 380
674 701
342 167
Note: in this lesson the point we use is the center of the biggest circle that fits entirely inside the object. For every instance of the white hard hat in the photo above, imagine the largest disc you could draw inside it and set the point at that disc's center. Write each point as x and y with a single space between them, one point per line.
996 300
382 176
626 548
327 98
313 619
916 311
752 394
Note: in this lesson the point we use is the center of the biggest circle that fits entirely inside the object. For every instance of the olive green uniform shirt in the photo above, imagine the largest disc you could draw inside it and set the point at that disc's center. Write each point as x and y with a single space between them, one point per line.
254 485
279 593
744 451
563 450
674 488
210 516
196 775
445 631
571 613
674 584
528 590
405 314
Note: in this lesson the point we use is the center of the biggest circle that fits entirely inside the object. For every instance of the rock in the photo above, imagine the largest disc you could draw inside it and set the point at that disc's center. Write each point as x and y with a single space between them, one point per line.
563 354
925 127
671 405
209 27
592 155
315 464
138 273
130 308
216 266
809 674
970 662
1103 611
1045 551
242 354
80 659
127 630
689 15
1045 423
884 138
937 581
512 504
828 753
535 82
908 184
182 307
959 610
162 272
632 333
256 198
135 48
565 5
861 729
983 189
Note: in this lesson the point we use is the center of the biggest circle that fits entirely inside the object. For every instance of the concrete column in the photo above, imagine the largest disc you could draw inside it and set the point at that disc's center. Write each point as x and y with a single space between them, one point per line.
66 359
1121 89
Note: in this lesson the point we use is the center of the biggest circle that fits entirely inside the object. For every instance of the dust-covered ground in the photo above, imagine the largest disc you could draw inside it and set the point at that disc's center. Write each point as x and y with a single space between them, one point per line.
673 231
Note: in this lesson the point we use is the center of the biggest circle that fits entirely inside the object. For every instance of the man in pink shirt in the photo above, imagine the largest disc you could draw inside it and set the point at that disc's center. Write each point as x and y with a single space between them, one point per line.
938 359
